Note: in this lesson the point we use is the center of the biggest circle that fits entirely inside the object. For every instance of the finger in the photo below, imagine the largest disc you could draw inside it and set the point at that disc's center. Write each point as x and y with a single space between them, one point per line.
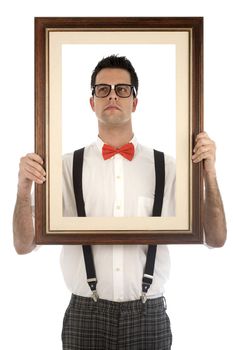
34 178
197 159
203 141
201 135
35 157
34 165
205 155
31 173
30 169
205 148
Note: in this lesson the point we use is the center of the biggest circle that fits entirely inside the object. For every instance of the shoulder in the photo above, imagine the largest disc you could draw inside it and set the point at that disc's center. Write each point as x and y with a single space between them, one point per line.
170 168
149 153
67 159
170 162
67 166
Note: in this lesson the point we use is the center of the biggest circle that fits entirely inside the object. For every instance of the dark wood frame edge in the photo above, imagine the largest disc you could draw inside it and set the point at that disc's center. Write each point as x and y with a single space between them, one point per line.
139 237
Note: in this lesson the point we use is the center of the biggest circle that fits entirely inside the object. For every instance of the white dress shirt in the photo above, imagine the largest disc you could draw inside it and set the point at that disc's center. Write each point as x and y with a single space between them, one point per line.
117 187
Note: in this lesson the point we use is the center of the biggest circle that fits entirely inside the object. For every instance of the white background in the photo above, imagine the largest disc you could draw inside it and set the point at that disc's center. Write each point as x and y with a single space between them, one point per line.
32 292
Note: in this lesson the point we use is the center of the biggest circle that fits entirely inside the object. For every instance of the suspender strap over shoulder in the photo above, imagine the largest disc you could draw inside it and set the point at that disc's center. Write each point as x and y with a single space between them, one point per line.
157 210
78 192
77 181
159 164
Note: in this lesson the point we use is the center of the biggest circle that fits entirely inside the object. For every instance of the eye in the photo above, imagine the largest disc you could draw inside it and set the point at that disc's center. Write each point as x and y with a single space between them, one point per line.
122 89
102 89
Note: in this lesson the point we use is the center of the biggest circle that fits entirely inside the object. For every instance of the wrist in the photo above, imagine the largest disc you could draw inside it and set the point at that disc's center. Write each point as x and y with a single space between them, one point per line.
24 191
211 174
210 179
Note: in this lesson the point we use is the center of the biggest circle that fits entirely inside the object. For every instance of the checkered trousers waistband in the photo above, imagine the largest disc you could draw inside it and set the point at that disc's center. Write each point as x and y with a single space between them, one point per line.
112 325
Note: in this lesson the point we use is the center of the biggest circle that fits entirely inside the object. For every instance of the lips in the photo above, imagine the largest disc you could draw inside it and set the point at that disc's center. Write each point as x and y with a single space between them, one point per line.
112 107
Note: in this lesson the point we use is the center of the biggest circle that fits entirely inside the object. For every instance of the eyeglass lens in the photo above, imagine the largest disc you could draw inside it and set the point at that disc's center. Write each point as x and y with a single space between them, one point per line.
122 90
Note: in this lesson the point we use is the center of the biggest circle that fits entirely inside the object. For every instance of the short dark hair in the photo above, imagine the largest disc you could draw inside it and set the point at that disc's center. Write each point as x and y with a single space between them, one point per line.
115 61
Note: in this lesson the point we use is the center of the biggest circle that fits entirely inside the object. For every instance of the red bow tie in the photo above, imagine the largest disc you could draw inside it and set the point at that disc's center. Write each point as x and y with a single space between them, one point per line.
126 151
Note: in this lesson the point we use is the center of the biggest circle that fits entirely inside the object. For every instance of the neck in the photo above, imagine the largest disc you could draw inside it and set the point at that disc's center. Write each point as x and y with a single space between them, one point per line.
116 137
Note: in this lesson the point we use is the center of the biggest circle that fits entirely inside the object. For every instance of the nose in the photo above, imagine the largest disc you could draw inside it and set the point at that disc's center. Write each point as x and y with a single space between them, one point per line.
113 95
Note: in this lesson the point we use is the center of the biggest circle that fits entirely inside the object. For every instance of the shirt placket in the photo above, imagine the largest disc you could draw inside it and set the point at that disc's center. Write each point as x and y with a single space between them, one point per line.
118 285
119 186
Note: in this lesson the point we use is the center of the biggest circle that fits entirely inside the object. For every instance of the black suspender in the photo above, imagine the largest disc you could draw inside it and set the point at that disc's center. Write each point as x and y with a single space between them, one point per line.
78 192
78 182
90 270
157 209
160 182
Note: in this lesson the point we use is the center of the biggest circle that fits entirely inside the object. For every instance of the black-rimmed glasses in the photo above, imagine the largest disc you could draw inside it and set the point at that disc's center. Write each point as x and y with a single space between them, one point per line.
121 90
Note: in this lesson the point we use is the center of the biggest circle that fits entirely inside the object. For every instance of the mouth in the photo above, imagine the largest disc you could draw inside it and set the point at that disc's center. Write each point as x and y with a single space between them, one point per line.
112 107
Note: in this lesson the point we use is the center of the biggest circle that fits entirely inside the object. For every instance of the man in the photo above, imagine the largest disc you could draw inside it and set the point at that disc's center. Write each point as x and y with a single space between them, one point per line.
118 179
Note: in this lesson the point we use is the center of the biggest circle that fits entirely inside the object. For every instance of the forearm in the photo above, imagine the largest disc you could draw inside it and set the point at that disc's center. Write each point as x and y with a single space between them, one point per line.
23 228
214 216
30 171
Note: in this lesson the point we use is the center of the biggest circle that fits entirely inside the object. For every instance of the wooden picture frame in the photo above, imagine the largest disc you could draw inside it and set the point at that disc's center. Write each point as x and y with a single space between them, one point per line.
186 36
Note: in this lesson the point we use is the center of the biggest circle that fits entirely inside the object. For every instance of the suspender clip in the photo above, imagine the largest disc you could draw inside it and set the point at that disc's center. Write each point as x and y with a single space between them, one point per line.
95 296
143 297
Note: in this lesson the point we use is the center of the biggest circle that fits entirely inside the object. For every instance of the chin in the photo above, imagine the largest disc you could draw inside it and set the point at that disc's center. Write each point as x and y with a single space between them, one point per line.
111 120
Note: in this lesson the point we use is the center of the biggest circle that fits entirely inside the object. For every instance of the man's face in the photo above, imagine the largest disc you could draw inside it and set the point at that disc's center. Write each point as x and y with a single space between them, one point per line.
113 110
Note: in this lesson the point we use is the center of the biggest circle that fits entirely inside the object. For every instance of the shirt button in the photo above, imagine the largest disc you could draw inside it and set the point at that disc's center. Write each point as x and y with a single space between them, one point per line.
118 269
118 207
118 177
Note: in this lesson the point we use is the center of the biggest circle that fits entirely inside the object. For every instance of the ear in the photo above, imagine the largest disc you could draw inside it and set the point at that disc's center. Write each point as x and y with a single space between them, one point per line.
92 103
135 102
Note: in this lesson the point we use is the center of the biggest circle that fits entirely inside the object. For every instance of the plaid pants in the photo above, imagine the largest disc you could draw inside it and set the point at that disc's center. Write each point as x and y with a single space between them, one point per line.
111 325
